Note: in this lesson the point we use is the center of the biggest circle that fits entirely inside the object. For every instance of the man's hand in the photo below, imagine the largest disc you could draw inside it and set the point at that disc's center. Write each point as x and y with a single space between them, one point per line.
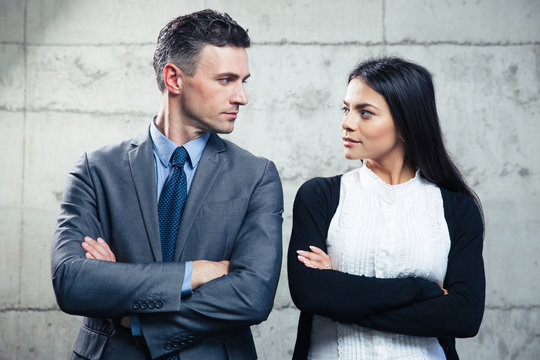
98 250
204 271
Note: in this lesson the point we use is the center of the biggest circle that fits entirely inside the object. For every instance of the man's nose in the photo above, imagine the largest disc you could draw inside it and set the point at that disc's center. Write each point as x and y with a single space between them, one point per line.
240 96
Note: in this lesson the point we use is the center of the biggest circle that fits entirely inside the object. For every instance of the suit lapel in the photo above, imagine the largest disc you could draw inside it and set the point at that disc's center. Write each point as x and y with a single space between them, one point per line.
141 163
207 172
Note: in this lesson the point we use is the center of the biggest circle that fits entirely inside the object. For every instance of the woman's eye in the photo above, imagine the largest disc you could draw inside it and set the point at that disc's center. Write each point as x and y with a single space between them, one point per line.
365 114
345 110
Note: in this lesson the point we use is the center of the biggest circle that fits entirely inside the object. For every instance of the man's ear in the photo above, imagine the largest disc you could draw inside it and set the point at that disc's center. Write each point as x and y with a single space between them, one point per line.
173 78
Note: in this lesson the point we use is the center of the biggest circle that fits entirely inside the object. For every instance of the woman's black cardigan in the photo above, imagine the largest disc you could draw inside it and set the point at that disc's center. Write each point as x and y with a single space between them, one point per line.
411 306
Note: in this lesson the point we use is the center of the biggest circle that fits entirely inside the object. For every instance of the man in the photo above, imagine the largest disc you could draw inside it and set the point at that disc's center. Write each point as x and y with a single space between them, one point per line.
181 229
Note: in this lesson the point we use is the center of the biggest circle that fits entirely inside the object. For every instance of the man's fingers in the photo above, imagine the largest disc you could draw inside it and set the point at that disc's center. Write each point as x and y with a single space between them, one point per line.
99 249
94 248
89 256
90 250
102 243
105 248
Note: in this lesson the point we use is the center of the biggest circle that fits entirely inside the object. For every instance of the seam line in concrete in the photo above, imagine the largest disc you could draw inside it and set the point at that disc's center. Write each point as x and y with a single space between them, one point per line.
402 42
83 112
525 307
29 309
312 43
48 309
23 162
383 5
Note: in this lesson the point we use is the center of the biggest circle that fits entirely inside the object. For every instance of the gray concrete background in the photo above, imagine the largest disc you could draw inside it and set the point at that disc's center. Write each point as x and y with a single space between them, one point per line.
75 75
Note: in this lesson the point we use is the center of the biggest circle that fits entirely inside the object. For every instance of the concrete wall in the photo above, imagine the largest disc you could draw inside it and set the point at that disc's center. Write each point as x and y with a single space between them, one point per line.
75 75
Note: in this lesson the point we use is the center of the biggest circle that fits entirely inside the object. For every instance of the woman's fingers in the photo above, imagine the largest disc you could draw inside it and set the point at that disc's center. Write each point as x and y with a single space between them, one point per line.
317 259
327 262
441 286
304 261
316 250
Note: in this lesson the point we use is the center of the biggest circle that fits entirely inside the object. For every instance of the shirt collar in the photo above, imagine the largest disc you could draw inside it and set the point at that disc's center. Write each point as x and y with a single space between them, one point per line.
164 147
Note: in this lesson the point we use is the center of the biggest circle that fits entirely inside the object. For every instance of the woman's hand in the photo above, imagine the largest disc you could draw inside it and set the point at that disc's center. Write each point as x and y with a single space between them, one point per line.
316 258
441 286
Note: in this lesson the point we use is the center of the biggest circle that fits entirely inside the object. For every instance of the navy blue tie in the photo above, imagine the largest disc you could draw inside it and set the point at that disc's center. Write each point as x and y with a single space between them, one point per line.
171 203
170 207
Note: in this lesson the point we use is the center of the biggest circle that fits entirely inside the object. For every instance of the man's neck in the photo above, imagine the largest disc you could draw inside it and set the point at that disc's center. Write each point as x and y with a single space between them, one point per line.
170 123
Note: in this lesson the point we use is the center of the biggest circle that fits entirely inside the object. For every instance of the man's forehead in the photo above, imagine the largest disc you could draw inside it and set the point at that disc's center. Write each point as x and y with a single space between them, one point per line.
224 59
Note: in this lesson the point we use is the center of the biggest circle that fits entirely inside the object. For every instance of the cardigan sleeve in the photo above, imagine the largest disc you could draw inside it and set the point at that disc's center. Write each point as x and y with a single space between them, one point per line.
459 313
332 293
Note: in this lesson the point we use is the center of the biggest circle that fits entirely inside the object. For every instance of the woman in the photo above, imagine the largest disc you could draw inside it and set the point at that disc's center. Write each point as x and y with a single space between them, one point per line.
385 261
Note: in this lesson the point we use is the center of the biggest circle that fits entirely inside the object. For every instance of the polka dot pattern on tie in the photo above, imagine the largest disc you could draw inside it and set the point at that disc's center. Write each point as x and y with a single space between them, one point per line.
171 203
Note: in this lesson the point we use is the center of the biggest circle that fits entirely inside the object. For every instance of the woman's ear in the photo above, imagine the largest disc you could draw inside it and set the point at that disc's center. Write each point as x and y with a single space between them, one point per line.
173 78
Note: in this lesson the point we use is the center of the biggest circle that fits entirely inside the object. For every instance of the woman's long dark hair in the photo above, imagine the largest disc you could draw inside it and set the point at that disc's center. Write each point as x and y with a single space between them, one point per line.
408 90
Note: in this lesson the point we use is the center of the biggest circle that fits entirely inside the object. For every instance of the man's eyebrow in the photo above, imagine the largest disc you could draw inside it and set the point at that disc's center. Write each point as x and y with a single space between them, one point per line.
232 75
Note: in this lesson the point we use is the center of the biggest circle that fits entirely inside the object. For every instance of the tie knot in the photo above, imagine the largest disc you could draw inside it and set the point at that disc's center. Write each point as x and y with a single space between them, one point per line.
179 156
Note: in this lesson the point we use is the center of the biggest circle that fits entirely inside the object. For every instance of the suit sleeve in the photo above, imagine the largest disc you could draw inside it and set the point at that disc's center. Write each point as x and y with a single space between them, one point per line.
459 313
100 288
242 298
332 293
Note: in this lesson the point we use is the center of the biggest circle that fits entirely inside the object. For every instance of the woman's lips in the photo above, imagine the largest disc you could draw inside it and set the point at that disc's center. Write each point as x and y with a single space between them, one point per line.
348 142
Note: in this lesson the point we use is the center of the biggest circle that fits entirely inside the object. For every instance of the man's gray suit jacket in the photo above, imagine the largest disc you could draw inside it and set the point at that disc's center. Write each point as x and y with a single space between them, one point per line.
233 212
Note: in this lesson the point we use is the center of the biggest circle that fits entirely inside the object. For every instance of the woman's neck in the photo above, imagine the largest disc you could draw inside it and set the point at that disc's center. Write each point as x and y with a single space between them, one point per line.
392 172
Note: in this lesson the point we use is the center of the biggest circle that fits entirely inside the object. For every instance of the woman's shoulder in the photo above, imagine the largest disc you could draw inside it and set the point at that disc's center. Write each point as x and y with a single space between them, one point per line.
457 201
321 185
319 192
461 210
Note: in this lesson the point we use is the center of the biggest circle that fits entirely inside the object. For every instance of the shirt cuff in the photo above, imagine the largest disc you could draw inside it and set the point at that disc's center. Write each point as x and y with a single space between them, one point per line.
135 325
186 285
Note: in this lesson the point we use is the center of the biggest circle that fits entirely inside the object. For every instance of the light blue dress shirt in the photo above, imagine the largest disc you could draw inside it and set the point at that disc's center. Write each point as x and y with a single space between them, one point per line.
163 149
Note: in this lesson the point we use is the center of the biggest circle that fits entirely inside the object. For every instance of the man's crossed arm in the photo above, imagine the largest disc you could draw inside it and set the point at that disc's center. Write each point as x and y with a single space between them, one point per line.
203 270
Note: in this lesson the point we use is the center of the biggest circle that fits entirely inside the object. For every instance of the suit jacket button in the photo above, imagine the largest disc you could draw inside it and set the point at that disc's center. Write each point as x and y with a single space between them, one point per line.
175 343
167 346
144 305
191 338
136 306
159 304
151 304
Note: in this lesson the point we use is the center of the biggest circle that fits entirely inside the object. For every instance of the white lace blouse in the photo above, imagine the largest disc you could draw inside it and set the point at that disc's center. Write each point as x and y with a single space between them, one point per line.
383 231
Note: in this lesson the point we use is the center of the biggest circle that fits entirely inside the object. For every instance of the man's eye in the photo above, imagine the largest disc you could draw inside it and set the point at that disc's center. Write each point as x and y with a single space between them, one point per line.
225 81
